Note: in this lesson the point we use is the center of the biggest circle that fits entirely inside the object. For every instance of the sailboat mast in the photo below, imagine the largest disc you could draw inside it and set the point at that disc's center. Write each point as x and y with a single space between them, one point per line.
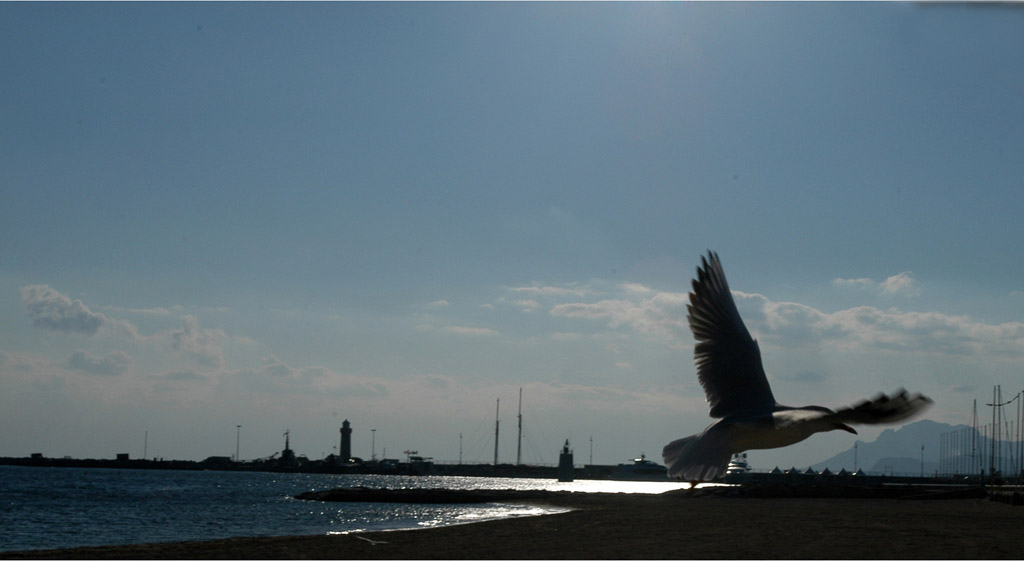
999 425
992 455
496 408
519 441
974 434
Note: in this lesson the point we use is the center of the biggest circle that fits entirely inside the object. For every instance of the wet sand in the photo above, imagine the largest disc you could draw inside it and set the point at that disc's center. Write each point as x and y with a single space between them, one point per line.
667 526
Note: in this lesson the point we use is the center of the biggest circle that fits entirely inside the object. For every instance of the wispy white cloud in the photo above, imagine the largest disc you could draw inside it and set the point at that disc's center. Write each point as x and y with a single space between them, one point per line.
21 362
276 368
662 314
55 311
116 363
859 283
636 288
553 291
528 305
902 284
183 376
815 341
203 345
469 331
274 377
52 310
273 367
871 328
153 311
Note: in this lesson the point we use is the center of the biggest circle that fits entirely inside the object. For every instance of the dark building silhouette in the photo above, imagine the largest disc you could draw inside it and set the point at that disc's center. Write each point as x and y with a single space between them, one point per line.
346 441
565 465
287 455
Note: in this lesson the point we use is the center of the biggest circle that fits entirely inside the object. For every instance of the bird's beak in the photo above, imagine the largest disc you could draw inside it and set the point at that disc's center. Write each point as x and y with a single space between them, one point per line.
845 427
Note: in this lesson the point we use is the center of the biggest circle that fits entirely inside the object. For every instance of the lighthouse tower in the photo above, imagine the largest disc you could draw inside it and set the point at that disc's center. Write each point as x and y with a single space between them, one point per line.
346 441
565 466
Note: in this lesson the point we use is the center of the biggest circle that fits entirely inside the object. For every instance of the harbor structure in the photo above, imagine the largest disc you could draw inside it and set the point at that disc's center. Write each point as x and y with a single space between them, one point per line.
565 464
640 469
288 455
345 452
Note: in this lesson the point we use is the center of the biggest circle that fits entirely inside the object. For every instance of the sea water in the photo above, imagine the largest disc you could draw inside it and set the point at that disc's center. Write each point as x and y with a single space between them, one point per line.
42 507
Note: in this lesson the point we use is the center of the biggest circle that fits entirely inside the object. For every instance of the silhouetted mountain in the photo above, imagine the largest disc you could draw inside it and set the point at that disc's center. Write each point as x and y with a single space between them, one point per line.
895 450
947 449
903 466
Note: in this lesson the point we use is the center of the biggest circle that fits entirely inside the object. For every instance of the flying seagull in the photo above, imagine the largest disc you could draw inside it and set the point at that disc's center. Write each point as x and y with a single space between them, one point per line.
729 368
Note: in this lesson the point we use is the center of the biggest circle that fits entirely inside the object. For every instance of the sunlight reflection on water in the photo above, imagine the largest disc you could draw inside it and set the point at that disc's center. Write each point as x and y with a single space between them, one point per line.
63 507
404 516
483 483
470 513
379 516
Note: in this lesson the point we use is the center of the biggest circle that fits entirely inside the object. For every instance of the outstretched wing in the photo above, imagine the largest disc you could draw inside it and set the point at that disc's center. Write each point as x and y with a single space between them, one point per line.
883 409
728 359
696 458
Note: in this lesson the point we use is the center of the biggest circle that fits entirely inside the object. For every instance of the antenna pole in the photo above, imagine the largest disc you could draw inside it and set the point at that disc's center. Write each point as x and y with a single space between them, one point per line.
497 406
519 441
999 424
992 457
998 419
1020 444
974 434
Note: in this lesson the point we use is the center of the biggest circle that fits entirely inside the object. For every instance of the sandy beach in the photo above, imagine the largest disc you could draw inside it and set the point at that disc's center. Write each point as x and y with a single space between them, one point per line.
667 526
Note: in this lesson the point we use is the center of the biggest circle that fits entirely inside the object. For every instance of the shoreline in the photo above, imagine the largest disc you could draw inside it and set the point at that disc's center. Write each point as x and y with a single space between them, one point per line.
672 525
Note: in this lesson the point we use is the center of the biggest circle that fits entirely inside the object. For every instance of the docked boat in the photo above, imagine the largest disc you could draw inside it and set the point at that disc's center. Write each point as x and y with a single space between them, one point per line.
640 469
738 464
738 471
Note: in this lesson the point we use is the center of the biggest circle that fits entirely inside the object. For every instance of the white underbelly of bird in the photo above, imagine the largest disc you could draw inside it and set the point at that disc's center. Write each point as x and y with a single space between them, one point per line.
780 433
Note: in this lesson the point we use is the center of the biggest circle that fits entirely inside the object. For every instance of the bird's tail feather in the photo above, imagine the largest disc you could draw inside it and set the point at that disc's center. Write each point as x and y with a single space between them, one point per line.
695 458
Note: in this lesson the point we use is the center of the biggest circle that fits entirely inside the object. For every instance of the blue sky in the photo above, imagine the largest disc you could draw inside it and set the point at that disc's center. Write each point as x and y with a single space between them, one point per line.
285 215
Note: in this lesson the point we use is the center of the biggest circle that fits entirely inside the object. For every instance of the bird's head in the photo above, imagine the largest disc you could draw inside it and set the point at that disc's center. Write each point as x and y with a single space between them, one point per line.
844 427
